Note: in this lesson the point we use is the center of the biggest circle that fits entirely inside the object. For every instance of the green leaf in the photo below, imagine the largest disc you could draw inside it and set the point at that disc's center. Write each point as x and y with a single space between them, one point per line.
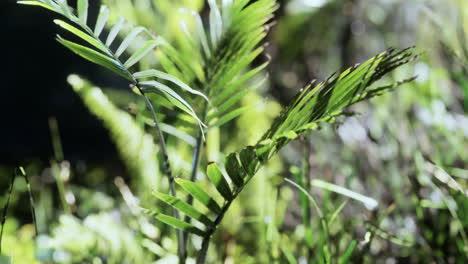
175 98
184 207
128 39
199 194
95 57
167 77
369 202
114 31
101 20
335 213
226 13
66 11
36 3
349 251
230 116
219 181
171 130
200 31
308 195
83 10
140 53
235 85
249 160
216 23
174 222
235 170
91 40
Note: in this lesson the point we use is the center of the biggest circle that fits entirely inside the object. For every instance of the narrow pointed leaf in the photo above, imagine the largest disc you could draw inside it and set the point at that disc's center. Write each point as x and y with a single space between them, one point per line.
36 3
140 53
249 160
226 13
126 42
83 10
167 77
344 259
66 11
114 31
369 202
219 181
184 208
171 130
172 96
335 213
216 23
176 223
237 84
200 31
306 193
95 57
91 40
199 194
101 20
230 116
234 170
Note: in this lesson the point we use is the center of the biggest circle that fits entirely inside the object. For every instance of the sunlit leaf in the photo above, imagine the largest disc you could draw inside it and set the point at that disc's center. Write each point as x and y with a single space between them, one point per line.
141 52
235 170
183 207
101 20
167 77
199 194
91 40
219 181
169 220
95 57
114 31
83 10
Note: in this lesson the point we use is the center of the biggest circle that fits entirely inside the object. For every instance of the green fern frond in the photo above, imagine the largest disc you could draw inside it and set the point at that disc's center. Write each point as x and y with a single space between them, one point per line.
215 60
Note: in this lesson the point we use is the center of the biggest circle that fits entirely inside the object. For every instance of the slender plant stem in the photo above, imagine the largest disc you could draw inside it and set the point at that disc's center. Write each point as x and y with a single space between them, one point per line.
196 158
56 171
55 164
206 240
167 170
193 178
204 249
31 199
307 184
5 209
194 172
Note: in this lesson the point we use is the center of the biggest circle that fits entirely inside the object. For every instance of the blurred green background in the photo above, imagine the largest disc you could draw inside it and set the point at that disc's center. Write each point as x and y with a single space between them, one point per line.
407 150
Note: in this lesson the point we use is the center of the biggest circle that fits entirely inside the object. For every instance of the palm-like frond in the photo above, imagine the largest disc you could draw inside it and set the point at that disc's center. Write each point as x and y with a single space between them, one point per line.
215 60
99 51
311 106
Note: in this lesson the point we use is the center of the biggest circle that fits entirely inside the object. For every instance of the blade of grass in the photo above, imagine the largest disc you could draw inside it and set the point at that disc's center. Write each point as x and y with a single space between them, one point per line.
306 193
369 202
349 251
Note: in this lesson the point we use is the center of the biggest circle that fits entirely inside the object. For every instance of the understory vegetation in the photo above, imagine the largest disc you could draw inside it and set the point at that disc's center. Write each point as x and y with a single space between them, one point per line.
262 131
